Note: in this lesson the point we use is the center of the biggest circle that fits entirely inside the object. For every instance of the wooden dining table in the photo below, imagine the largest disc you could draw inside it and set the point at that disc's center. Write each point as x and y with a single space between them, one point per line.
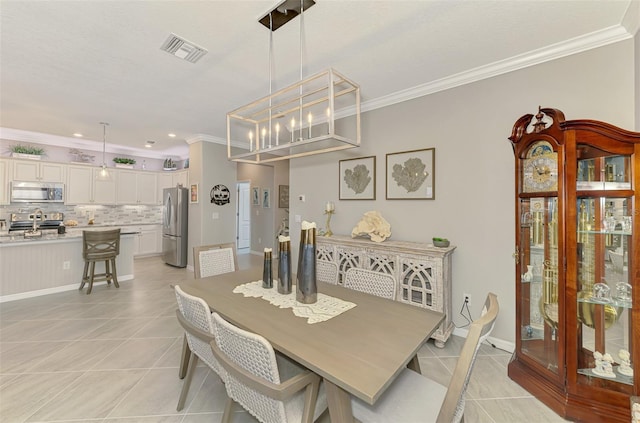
359 352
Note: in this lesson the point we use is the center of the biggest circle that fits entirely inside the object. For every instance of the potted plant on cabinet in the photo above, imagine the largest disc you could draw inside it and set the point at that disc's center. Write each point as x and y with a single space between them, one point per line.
27 152
123 162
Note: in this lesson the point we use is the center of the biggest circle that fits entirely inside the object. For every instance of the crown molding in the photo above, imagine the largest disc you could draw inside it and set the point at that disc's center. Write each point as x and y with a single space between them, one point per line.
631 19
575 45
626 30
20 135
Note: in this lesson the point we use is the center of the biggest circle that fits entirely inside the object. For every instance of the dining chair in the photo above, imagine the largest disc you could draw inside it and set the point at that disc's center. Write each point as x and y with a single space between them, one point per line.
100 246
208 260
269 386
413 398
371 282
327 271
216 259
195 317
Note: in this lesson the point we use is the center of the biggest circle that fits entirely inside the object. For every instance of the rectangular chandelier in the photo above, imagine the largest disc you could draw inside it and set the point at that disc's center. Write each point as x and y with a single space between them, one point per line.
318 114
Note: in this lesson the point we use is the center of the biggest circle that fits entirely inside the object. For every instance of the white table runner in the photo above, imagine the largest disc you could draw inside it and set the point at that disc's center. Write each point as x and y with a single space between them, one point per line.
324 309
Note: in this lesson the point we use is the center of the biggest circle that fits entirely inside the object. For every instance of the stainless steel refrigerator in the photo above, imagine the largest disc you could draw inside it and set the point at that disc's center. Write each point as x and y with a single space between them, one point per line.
175 215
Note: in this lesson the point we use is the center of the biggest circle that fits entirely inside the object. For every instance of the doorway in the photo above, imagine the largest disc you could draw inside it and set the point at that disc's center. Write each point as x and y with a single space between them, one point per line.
243 218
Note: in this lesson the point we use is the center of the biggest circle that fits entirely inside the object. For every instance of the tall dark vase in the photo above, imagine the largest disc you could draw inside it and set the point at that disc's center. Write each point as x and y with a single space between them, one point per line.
284 266
306 287
267 271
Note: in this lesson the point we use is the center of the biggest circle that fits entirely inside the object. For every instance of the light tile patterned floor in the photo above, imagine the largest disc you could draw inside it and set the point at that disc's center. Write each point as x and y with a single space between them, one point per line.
112 357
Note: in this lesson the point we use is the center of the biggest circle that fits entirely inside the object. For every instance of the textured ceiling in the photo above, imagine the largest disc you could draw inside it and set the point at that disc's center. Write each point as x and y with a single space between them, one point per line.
65 66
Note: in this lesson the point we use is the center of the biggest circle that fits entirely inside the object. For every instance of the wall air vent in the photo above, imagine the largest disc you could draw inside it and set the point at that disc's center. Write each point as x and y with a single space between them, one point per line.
183 49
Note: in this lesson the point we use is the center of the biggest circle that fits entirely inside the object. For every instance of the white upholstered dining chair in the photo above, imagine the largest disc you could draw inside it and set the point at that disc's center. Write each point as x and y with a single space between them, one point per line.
327 271
195 317
216 259
208 260
413 398
371 282
269 386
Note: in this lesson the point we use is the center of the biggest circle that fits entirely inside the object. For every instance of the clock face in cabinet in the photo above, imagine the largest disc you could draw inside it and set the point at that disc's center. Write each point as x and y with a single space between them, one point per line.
540 169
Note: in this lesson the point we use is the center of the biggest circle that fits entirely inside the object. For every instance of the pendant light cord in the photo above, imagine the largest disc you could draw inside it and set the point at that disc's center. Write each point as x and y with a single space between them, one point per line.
301 61
104 141
270 70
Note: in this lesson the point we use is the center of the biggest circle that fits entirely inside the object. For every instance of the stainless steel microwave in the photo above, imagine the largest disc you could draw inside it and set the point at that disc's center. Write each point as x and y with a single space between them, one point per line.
37 192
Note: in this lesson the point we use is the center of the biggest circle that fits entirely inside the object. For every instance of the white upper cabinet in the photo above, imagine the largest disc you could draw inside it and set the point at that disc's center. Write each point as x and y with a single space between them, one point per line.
84 186
4 181
181 178
170 180
147 187
135 187
33 170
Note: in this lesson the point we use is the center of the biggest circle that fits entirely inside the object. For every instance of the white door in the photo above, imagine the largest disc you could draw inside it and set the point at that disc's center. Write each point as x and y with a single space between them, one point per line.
243 214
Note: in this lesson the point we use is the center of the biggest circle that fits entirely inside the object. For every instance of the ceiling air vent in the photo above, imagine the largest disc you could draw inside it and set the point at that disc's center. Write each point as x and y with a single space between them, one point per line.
183 49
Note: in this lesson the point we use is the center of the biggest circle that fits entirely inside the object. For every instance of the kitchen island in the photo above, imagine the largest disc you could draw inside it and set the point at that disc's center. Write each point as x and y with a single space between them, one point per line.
52 263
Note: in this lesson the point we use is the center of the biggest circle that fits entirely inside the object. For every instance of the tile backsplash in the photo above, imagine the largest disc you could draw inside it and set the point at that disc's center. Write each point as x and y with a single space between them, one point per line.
102 215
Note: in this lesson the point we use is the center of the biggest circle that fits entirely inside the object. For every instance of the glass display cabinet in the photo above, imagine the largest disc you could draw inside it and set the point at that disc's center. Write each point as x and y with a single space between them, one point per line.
577 265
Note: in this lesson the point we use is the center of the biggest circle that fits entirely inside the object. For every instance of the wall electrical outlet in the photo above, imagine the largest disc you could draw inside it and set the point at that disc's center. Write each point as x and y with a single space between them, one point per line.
66 265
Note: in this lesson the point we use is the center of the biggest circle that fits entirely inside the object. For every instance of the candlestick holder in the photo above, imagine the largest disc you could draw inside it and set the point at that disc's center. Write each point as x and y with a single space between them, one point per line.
329 213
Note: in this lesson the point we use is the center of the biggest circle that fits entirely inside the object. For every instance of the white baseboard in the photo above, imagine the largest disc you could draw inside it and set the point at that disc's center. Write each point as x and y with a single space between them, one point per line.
47 291
507 346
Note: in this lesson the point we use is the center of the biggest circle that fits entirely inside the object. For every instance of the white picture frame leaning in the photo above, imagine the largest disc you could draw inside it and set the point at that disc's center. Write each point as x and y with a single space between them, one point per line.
410 175
357 178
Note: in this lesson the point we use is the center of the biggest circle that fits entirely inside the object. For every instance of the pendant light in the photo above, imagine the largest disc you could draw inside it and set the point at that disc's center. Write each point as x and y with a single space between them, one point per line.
300 119
103 175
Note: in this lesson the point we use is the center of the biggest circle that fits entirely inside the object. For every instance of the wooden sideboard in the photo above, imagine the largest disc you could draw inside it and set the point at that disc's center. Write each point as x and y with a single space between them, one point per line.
422 271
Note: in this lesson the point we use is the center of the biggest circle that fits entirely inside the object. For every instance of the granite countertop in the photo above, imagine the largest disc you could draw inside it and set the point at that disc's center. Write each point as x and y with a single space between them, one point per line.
73 232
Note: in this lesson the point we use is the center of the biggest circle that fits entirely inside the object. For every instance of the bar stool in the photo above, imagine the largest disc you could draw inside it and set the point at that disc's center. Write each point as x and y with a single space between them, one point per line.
100 246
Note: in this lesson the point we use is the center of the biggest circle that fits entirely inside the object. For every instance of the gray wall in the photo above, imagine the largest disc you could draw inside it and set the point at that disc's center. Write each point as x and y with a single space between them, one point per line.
265 222
469 126
209 167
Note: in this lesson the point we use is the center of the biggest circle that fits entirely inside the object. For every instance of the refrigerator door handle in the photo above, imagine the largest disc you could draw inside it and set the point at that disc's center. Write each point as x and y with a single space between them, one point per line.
167 209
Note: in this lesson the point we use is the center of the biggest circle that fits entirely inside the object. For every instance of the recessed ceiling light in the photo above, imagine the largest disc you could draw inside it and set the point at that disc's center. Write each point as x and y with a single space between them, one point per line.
172 135
78 135
149 144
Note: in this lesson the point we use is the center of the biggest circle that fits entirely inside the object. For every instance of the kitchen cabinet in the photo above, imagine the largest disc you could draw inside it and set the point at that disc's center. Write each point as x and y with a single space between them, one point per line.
170 179
148 240
84 187
577 265
180 177
4 181
33 170
136 187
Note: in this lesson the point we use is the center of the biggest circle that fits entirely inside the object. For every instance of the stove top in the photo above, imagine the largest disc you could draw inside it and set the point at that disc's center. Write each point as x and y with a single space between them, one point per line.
24 221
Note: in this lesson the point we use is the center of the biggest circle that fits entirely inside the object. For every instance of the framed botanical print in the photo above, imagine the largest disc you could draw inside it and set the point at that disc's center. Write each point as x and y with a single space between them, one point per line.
411 175
266 198
255 196
358 178
283 196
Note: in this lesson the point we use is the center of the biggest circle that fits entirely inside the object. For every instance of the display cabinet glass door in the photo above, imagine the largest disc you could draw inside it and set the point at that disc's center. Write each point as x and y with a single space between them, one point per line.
539 307
605 285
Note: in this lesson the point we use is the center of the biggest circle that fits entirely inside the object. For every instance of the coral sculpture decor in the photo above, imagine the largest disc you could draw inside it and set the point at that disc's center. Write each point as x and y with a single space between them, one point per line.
372 225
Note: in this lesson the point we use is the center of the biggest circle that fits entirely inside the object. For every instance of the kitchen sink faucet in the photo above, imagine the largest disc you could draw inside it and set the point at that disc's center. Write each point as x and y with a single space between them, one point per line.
35 218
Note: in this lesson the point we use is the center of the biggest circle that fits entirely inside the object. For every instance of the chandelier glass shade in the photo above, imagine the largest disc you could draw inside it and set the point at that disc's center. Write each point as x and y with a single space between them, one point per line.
318 114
